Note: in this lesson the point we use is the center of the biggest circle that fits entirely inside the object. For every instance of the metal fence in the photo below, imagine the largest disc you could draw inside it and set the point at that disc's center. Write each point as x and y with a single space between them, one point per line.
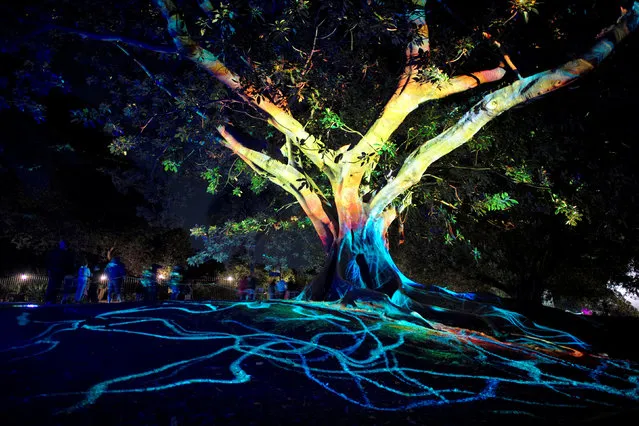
24 288
31 288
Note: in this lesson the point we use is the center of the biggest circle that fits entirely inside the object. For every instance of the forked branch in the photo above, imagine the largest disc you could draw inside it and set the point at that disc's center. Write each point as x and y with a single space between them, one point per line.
288 178
494 104
410 93
281 119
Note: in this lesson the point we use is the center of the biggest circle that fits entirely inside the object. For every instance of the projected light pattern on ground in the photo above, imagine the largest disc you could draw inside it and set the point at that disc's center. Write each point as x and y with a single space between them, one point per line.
358 355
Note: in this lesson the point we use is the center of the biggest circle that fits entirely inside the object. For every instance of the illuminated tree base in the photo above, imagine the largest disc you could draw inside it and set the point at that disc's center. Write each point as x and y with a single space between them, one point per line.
71 363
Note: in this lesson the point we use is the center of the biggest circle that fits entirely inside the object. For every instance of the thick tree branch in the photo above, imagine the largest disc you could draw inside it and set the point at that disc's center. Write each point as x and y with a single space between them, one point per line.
420 44
281 119
394 114
288 178
410 93
353 168
498 102
504 54
404 102
417 48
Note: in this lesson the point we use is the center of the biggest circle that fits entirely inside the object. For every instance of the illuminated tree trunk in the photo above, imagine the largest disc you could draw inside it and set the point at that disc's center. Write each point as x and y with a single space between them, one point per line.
359 258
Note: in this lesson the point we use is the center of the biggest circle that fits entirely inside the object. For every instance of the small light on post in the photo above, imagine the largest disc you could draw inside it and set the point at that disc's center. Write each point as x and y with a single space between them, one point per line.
24 277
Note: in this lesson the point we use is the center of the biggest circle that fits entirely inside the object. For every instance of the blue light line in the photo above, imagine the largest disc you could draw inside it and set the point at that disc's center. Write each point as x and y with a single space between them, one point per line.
360 356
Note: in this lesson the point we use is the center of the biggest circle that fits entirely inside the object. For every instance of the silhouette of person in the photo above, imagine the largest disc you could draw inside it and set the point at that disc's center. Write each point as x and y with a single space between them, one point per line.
242 286
174 282
149 281
84 273
59 267
251 285
115 274
281 288
271 290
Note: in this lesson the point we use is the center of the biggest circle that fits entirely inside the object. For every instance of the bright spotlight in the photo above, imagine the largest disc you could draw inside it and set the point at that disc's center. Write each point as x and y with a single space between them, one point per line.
229 278
103 277
161 276
24 277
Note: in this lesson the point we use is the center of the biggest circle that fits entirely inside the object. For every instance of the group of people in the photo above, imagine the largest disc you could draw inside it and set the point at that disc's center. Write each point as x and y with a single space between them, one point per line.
82 283
147 290
246 287
79 283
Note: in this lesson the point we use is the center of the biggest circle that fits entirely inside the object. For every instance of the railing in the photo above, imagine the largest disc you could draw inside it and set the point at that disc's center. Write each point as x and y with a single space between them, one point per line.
23 288
31 288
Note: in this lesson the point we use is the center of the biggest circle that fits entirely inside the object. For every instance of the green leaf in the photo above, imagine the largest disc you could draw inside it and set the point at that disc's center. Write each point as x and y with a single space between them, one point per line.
494 202
519 174
330 120
170 166
258 184
212 177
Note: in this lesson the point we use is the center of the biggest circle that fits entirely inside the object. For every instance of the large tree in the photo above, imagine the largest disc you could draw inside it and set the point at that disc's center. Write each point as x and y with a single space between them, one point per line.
303 69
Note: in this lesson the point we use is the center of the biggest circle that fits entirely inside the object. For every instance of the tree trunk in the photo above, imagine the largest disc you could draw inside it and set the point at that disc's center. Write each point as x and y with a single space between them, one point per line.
358 259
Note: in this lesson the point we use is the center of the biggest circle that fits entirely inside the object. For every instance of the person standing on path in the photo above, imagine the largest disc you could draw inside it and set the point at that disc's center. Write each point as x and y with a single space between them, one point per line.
115 274
251 285
242 287
270 291
282 289
149 281
174 282
59 267
84 273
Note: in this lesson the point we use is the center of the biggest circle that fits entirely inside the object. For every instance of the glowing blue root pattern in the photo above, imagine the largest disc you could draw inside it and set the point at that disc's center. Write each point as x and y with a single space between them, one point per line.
369 242
360 356
460 309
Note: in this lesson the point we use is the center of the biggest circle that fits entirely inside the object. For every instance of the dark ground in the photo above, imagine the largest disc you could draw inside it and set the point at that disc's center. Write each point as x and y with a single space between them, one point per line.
292 363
